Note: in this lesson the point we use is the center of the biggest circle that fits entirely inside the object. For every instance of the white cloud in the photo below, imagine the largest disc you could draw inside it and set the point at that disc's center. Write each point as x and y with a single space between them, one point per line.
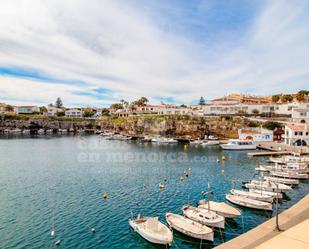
112 45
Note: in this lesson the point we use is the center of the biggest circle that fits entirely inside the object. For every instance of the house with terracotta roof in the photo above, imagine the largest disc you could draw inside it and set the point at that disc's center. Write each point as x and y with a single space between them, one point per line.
297 135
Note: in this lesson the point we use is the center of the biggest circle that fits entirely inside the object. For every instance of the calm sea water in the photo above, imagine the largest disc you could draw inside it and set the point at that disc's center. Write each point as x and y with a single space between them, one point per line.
60 180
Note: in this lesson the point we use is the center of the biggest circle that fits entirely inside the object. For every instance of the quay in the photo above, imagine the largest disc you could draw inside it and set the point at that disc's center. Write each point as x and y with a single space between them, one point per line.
273 149
293 224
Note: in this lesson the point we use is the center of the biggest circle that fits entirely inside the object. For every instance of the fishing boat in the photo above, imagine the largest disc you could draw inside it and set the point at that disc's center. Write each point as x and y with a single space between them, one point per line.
289 174
268 186
254 196
189 227
249 203
152 230
296 158
210 143
263 192
203 216
237 144
221 208
163 140
282 180
295 167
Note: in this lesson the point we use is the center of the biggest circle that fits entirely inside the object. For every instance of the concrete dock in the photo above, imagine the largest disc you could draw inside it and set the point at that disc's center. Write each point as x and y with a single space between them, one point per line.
265 235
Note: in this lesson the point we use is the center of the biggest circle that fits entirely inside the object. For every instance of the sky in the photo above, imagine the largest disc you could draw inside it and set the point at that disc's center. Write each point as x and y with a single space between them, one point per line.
97 52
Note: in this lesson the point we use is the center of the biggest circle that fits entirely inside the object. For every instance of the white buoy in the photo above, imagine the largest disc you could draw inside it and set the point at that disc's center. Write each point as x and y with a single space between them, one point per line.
93 230
57 243
52 233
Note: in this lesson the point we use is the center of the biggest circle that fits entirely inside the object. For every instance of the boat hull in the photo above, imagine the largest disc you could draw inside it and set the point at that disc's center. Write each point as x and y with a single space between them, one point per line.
245 202
252 196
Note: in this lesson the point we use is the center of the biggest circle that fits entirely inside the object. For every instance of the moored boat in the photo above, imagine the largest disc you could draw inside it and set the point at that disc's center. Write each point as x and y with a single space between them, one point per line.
237 144
268 186
249 203
152 230
254 196
263 192
294 167
210 143
282 180
203 216
189 227
289 174
221 208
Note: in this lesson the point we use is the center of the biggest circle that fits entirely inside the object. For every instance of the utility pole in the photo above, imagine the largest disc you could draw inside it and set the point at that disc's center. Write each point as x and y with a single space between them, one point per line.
277 215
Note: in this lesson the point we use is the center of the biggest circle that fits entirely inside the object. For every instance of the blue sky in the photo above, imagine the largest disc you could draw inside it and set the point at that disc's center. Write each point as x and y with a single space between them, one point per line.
96 52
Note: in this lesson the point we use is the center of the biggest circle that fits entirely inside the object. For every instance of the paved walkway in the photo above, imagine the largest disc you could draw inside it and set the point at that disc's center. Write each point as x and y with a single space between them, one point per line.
266 231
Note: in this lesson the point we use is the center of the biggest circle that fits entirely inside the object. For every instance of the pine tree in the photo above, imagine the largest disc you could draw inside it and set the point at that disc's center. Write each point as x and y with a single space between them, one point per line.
202 101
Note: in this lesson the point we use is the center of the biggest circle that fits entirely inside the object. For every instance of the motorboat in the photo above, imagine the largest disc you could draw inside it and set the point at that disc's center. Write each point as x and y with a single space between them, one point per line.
41 131
263 192
152 230
189 227
268 186
221 208
196 142
289 174
238 144
164 140
282 180
254 196
249 203
211 137
203 216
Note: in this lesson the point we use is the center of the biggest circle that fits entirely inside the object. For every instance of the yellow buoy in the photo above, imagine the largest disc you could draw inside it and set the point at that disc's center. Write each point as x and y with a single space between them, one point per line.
161 185
223 158
181 178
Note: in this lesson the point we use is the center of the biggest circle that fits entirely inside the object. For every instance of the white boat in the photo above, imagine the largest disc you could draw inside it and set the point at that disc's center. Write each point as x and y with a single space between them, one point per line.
196 142
237 144
26 132
221 208
247 202
268 186
263 192
296 167
290 159
254 196
210 143
49 131
41 131
289 174
152 230
203 216
189 227
164 140
282 180
211 137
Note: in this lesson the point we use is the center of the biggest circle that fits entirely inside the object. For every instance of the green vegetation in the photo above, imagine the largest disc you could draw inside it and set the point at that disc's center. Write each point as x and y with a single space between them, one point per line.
202 101
9 108
300 96
58 103
89 112
287 98
105 112
275 98
271 125
118 120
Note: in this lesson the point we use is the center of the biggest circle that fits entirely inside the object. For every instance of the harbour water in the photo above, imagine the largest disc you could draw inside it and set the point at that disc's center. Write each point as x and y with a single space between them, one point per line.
60 180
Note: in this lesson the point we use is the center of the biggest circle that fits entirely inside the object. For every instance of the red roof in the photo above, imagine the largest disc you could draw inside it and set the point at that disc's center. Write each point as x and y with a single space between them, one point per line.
298 127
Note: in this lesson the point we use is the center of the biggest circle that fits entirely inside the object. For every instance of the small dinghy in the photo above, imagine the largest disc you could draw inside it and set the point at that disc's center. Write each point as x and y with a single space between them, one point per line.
282 180
221 208
249 203
189 227
293 175
268 186
263 192
152 230
203 216
254 196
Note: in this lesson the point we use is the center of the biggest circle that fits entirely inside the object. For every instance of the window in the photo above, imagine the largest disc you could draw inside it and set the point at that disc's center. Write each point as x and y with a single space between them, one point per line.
295 133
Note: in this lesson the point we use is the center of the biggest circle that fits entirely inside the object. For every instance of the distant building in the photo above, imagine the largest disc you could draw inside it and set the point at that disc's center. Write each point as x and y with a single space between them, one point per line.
52 110
300 115
74 113
256 134
26 109
296 135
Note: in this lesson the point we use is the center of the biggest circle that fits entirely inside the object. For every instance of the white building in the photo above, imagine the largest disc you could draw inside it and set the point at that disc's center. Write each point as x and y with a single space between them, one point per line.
26 109
297 135
52 110
74 113
256 134
164 110
300 115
